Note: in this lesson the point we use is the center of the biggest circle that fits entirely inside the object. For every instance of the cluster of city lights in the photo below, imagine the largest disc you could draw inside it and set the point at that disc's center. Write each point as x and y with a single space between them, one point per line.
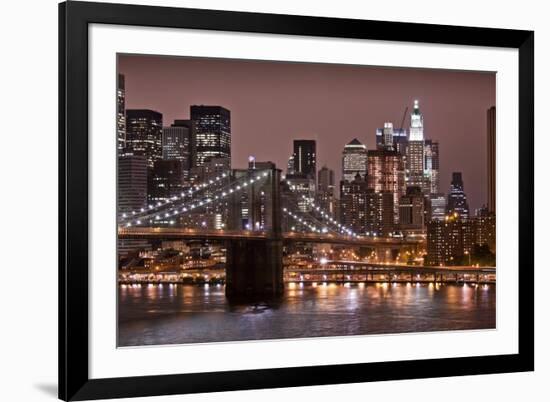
240 185
185 194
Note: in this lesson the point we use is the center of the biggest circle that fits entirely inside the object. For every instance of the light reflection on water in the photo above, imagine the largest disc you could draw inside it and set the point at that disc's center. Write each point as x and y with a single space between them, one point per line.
174 314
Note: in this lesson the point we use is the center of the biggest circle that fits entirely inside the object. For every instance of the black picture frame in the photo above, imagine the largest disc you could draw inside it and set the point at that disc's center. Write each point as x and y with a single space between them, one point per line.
74 18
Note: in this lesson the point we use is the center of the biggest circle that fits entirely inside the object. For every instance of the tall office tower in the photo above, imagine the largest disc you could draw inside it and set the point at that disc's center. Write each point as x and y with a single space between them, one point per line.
305 158
431 164
491 159
176 145
211 134
388 136
326 191
166 181
132 183
353 208
449 240
121 114
437 207
144 134
400 139
415 149
386 173
354 160
411 210
457 201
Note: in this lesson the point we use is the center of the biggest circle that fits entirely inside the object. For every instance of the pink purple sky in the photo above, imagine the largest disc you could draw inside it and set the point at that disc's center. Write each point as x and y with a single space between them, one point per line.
272 103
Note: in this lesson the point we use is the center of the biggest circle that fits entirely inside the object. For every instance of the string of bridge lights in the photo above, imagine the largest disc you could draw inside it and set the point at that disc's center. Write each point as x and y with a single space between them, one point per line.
313 227
185 194
329 218
222 193
325 215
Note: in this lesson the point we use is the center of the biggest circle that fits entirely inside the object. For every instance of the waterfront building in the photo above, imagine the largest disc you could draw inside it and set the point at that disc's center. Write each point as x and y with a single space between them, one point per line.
484 226
211 133
457 201
354 160
144 134
415 149
449 240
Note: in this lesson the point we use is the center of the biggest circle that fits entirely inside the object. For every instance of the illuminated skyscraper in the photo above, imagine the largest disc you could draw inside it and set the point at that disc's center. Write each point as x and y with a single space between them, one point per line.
431 165
400 139
211 134
415 149
457 201
166 181
354 160
386 174
176 144
326 190
144 134
121 114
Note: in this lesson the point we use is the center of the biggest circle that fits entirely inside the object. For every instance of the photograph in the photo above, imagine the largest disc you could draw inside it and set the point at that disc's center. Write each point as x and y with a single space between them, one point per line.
267 199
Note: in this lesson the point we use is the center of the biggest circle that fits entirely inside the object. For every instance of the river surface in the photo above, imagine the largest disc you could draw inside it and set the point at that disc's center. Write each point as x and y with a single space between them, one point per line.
177 314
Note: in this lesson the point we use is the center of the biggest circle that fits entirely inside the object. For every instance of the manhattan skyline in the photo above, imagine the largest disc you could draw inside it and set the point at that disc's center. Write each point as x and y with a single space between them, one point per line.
273 103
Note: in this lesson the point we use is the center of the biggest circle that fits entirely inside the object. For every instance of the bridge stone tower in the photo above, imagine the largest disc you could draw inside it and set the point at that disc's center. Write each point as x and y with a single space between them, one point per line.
254 267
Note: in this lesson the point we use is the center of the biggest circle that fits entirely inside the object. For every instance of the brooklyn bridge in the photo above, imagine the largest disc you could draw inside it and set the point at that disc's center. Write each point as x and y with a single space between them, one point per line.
261 220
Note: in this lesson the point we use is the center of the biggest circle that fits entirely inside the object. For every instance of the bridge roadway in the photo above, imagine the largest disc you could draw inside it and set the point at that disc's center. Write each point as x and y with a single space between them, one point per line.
328 238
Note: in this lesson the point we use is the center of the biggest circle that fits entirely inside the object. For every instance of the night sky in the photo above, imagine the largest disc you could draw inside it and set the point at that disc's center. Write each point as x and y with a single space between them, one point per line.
272 103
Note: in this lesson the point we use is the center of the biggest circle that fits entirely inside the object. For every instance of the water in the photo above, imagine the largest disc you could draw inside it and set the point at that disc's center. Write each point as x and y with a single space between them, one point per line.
176 314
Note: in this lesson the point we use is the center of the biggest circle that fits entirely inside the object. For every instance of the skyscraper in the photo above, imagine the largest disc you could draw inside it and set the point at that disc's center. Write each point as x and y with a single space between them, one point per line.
354 160
400 139
176 144
132 183
166 181
457 201
415 149
121 114
411 210
386 174
144 134
491 159
305 158
211 134
437 207
326 190
431 164
353 198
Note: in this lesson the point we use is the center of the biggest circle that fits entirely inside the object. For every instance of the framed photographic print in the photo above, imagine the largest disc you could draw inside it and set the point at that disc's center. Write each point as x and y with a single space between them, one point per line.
256 200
